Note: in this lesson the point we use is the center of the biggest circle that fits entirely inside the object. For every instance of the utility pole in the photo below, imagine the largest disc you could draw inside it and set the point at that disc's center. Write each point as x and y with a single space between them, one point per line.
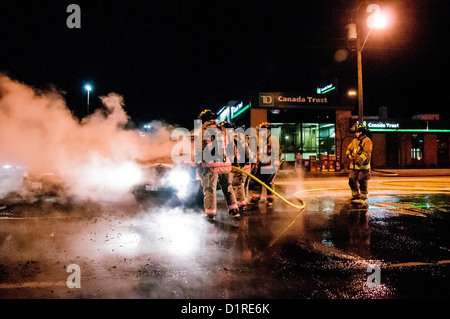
354 44
376 20
360 86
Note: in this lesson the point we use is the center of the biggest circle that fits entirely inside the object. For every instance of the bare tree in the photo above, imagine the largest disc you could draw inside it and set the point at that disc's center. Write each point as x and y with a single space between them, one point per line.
343 134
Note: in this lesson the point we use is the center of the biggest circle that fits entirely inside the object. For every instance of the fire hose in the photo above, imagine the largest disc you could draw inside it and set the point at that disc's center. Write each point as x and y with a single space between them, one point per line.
302 203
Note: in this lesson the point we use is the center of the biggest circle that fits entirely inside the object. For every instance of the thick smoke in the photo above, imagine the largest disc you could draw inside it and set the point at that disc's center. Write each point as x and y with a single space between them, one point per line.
96 158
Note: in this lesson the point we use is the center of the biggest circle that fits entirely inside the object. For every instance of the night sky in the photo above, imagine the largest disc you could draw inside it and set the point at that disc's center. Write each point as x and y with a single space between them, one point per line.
172 59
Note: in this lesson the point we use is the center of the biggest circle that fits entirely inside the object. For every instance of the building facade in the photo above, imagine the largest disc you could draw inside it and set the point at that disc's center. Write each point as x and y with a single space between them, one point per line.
305 124
422 142
317 128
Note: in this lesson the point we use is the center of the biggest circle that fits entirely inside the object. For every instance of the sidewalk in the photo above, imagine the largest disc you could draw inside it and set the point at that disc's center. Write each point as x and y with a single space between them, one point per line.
414 172
288 174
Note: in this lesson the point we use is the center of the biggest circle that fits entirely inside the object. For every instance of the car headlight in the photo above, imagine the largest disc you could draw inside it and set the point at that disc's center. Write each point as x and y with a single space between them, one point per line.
179 179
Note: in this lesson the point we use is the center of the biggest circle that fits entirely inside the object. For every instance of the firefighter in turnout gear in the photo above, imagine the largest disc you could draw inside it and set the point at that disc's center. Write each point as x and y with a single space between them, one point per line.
215 167
359 152
266 167
241 153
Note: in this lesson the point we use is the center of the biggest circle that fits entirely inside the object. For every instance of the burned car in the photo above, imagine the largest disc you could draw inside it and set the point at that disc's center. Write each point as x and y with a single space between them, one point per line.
160 183
169 184
11 178
18 188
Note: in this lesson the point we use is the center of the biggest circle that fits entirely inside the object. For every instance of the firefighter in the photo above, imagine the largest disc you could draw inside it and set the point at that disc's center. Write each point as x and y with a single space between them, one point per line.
266 166
359 152
240 156
215 170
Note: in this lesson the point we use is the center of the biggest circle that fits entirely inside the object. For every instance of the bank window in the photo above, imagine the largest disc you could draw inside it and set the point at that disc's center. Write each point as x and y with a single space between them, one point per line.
416 154
310 138
327 139
306 138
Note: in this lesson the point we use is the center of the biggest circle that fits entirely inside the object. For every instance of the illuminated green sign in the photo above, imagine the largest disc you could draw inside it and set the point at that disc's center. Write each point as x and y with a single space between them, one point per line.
383 125
416 130
326 89
240 110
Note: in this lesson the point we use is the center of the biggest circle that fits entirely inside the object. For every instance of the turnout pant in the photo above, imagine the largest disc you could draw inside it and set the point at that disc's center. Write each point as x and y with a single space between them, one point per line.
209 182
358 181
240 187
257 188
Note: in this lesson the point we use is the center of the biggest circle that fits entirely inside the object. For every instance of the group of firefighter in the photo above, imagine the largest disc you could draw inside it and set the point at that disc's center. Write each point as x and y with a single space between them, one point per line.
236 185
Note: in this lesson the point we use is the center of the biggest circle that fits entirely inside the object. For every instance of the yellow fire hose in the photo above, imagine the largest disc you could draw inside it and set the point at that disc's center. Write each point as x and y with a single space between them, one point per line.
301 206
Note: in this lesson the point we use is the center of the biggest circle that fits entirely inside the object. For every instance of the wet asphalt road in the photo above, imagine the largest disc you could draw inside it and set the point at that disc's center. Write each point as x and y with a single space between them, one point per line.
324 251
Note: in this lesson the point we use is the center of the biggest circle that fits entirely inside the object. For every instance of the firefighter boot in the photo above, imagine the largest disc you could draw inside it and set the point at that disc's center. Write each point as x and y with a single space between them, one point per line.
210 217
361 199
270 199
234 213
355 196
363 196
243 208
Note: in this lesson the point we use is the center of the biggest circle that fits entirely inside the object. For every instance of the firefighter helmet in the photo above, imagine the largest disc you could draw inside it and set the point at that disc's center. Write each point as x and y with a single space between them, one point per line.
225 124
361 128
264 125
207 115
358 128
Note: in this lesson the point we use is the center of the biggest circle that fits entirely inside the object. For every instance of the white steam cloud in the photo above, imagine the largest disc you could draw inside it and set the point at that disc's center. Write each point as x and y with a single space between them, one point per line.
96 157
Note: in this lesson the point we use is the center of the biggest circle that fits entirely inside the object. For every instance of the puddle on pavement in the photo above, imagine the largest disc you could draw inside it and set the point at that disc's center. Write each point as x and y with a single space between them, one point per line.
171 253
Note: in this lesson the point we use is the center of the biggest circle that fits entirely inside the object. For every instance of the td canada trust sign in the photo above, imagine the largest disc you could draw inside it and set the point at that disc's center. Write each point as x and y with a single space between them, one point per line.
274 99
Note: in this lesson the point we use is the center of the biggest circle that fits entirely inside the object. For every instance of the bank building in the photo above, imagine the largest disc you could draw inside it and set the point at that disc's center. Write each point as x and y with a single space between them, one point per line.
313 130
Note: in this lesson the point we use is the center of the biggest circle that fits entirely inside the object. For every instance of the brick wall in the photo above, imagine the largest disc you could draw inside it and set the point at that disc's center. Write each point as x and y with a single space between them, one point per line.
257 116
430 150
404 151
379 150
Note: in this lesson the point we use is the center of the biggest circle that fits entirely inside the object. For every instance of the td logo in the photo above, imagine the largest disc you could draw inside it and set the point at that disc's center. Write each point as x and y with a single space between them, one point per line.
266 99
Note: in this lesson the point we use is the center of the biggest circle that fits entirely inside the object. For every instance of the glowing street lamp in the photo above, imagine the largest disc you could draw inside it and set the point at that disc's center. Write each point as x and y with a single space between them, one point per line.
377 20
88 88
352 92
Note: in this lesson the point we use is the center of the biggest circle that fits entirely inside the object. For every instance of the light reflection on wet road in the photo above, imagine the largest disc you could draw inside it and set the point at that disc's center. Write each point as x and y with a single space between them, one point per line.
321 252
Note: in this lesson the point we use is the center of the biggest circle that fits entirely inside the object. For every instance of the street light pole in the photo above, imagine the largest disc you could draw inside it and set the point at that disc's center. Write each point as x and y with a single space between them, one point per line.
88 89
375 21
88 102
354 43
360 85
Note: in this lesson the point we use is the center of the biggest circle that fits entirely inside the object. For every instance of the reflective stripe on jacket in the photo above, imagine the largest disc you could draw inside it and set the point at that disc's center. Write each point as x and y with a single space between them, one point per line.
215 166
360 152
264 157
